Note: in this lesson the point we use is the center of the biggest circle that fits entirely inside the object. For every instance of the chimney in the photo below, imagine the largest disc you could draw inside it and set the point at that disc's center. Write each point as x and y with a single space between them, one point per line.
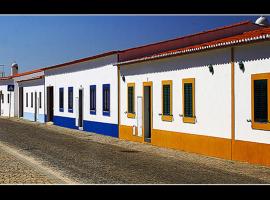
14 69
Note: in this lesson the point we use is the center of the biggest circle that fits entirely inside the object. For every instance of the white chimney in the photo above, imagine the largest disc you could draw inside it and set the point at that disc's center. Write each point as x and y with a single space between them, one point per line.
14 69
262 21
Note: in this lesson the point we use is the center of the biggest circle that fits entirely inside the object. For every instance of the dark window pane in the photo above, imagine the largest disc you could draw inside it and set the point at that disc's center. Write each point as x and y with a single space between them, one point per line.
40 100
166 100
130 99
188 103
31 99
260 101
106 98
61 98
70 98
93 97
26 99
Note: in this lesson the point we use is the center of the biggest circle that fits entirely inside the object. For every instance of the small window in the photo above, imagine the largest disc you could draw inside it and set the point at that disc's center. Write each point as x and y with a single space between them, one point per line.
26 99
31 99
40 100
260 101
92 99
131 100
3 98
188 100
61 99
70 99
106 99
167 100
8 96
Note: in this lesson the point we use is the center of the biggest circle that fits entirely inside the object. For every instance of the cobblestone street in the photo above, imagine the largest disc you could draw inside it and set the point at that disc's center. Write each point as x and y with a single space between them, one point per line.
70 156
15 171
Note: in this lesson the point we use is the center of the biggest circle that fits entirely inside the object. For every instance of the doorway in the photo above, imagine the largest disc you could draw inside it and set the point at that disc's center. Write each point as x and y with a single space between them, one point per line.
20 101
49 103
80 117
147 111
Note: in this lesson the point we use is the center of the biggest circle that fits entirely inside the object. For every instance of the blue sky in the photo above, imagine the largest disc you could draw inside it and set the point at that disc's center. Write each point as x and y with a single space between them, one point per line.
39 41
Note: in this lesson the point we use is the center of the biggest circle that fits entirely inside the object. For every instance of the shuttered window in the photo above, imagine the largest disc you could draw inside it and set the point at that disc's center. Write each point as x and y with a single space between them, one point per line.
70 99
188 100
131 100
92 99
61 99
260 101
106 99
167 100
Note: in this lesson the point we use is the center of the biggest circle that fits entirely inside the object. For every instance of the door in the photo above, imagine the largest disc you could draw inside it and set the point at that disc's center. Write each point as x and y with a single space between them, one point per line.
35 107
49 103
20 101
139 116
147 112
80 117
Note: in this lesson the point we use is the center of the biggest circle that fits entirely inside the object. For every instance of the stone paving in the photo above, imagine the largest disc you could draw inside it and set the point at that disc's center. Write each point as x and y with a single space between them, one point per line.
15 171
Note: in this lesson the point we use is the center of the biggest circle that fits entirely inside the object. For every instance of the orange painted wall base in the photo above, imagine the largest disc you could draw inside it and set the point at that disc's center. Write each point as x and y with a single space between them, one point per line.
256 153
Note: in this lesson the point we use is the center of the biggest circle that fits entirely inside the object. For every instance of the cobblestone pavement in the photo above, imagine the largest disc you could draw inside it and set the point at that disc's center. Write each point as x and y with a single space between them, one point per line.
15 171
92 158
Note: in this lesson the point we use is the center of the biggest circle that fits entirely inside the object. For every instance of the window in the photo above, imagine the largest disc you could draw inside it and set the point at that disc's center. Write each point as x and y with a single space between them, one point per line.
8 96
70 99
26 99
188 95
167 100
131 100
31 99
106 99
260 101
2 98
40 100
92 99
61 99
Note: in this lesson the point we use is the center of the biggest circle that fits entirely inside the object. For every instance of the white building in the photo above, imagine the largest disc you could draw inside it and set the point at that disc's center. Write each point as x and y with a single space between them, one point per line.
210 98
82 94
6 97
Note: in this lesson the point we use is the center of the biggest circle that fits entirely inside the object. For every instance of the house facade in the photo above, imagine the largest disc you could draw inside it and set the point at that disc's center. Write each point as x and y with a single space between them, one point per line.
82 94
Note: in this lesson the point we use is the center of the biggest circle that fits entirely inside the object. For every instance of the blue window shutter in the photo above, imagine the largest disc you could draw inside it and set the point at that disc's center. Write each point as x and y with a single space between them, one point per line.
92 99
106 99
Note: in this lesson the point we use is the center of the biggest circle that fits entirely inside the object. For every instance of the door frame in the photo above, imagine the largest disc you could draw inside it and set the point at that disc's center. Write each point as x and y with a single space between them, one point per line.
150 84
80 89
50 103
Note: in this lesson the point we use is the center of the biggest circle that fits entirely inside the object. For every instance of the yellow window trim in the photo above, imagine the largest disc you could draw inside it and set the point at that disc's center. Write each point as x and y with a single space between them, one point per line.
168 118
131 115
189 119
258 125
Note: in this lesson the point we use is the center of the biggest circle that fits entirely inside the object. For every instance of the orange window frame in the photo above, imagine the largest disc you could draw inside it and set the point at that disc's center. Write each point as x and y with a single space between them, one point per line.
188 119
131 115
260 125
167 117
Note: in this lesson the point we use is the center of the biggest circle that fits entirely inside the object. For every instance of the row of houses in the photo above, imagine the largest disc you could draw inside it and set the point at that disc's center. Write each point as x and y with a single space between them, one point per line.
206 93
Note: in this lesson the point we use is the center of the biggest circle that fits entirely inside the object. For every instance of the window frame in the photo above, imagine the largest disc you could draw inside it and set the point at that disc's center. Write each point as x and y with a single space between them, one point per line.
167 117
94 87
61 109
32 100
26 101
260 125
104 87
40 99
131 115
188 119
70 110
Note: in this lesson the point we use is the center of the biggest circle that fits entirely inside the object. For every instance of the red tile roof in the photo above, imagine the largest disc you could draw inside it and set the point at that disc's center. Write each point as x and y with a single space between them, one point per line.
247 37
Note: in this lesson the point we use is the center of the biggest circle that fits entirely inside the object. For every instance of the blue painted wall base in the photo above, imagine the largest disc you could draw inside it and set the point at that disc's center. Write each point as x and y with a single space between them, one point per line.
89 126
31 117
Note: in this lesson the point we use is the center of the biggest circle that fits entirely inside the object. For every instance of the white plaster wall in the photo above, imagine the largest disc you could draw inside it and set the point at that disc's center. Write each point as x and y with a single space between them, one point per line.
33 89
256 59
6 107
212 92
82 75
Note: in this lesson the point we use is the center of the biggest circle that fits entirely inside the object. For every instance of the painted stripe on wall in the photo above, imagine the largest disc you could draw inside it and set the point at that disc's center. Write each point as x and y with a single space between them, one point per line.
101 128
89 126
31 117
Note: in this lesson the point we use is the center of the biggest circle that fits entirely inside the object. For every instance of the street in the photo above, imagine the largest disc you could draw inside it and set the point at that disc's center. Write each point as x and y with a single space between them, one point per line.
89 158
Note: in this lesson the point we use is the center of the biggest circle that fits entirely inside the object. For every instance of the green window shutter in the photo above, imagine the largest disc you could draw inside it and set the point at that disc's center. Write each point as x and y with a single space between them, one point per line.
188 100
166 100
260 101
130 99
